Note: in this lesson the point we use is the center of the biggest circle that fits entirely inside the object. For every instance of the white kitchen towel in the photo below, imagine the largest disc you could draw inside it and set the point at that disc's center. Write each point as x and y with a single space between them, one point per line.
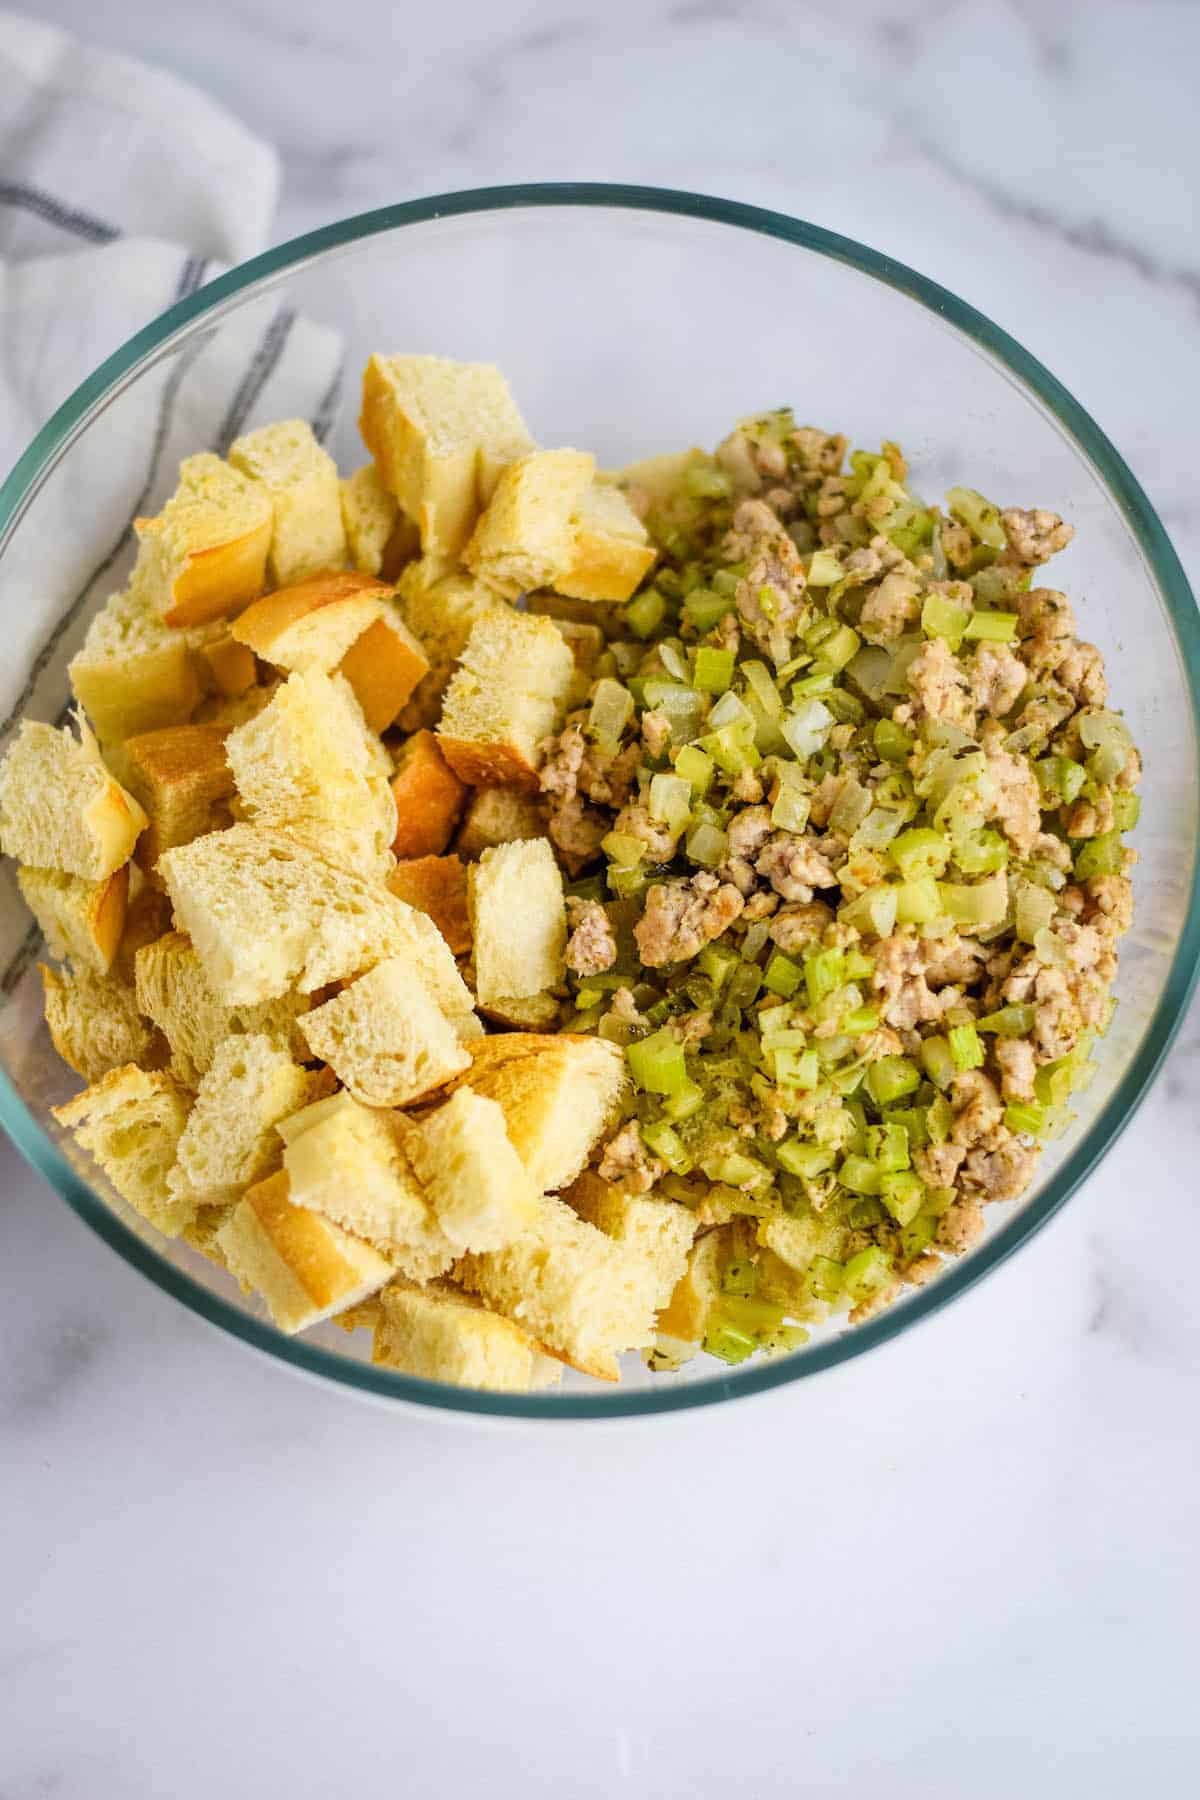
122 191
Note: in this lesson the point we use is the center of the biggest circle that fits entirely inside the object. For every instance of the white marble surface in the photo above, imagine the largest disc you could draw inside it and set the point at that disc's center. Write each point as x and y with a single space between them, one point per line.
967 1565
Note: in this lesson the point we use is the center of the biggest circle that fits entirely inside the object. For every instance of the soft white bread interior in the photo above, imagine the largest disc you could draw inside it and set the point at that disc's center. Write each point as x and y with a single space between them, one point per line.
230 1138
304 1266
350 1163
441 1334
131 1121
439 432
174 992
475 1181
441 606
385 1037
518 920
307 764
301 480
558 1093
79 919
659 1233
508 695
610 548
59 806
429 798
499 815
369 517
134 672
94 1022
525 538
205 553
582 1295
265 912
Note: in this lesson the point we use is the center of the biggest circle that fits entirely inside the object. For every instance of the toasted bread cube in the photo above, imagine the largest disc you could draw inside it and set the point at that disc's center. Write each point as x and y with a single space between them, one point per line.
205 553
536 1012
698 1290
525 538
173 990
558 1093
658 1232
147 918
350 1163
82 920
518 920
441 1334
229 666
340 621
441 605
134 672
385 1037
230 1138
499 815
301 480
131 1121
61 809
508 694
308 765
429 797
94 1022
439 432
266 913
369 517
475 1181
181 778
437 885
610 548
305 1267
583 1296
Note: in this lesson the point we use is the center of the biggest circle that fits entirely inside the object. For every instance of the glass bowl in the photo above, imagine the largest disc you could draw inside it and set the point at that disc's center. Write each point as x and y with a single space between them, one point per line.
629 321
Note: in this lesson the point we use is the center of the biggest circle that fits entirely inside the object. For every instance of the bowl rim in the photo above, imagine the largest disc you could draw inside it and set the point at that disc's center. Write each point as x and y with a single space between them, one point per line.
1163 566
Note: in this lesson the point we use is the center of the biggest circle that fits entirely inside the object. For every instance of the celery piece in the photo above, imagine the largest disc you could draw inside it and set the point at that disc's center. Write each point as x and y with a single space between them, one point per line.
731 710
718 962
855 965
705 481
805 1160
1060 779
822 973
937 1061
860 1175
727 581
1053 1082
703 608
707 845
918 1234
981 853
859 1020
867 1273
820 681
757 1318
1100 729
791 808
1102 855
588 997
980 517
873 911
611 711
744 984
840 647
824 569
892 743
918 901
728 1345
877 830
903 1194
682 1105
915 1120
978 906
1009 1021
941 618
713 670
732 748
670 801
759 683
806 727
965 1047
939 1118
1025 1116
919 852
1105 764
740 1278
674 661
627 883
735 1170
887 1146
783 976
755 939
825 1277
683 706
799 1069
692 766
645 613
657 1063
622 848
664 1141
991 627
851 807
1127 809
890 1077
1033 911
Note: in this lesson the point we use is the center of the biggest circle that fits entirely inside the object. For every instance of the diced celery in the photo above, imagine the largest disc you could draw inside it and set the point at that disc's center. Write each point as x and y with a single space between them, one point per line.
683 706
682 1105
939 1117
692 766
736 1170
806 727
732 748
706 481
1033 911
941 618
1054 1081
627 883
867 1273
965 1047
674 661
718 962
707 845
713 670
727 1344
991 627
822 973
611 711
797 1068
665 1142
903 1194
918 1234
820 681
805 1160
758 680
918 901
825 1277
1026 1116
670 801
791 808
1009 1021
783 976
978 906
703 609
730 710
851 807
919 852
892 743
890 1077
755 939
887 1146
657 1063
645 613
622 848
980 517
877 830
1127 809
914 1120
981 853
873 911
859 1020
840 647
1102 855
1060 779
588 997
937 1061
1100 729
824 569
740 1277
744 984
860 1175
855 965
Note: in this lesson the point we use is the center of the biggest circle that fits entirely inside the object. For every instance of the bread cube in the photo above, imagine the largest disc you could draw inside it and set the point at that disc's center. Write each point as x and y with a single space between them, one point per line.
698 1289
308 765
59 806
610 548
441 605
95 1024
385 1037
428 795
499 815
658 1232
182 780
475 1181
301 481
508 695
525 538
350 1164
135 672
230 1139
205 553
340 621
536 1012
82 920
437 885
131 1121
229 666
583 1296
304 1266
370 515
441 1334
439 432
558 1092
518 920
173 990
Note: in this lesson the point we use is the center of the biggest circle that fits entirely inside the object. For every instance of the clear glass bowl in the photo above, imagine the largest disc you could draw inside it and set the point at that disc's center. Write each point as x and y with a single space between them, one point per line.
630 321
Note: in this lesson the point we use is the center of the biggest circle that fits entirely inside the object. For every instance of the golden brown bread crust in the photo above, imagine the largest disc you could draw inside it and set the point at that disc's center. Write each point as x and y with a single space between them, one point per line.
263 622
429 798
489 765
384 666
181 778
437 885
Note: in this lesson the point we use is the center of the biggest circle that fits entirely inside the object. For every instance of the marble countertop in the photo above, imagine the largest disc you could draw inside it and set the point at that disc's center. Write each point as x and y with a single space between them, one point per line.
966 1565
